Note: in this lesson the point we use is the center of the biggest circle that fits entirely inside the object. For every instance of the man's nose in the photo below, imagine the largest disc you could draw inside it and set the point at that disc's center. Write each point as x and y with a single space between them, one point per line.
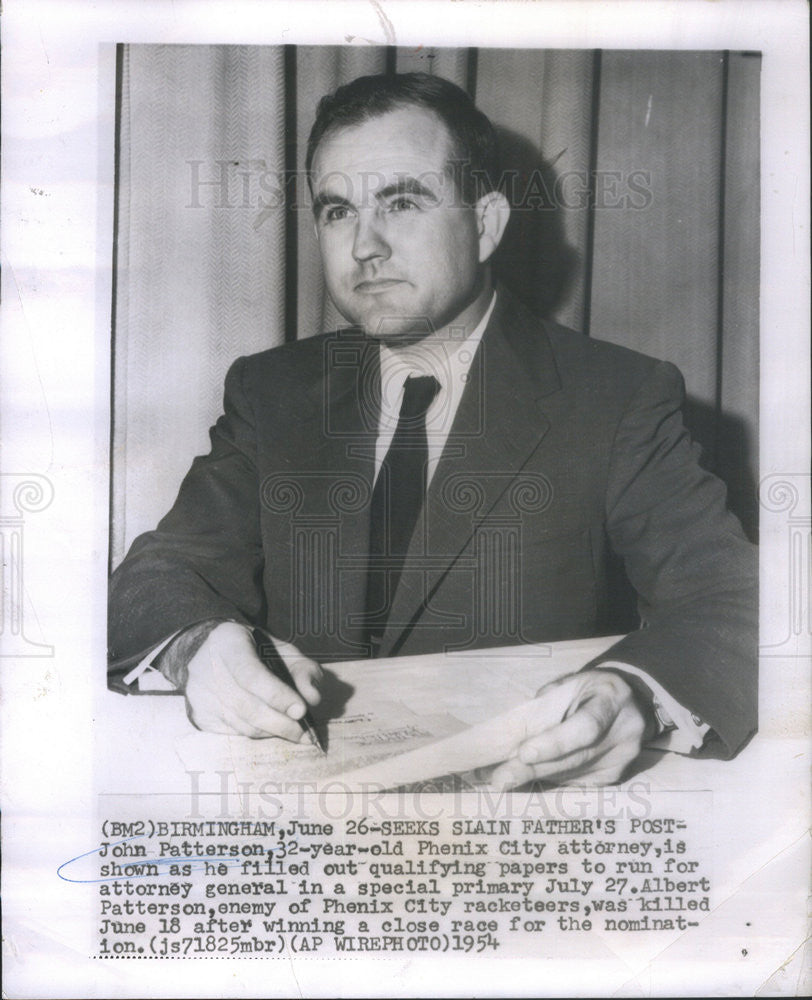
370 242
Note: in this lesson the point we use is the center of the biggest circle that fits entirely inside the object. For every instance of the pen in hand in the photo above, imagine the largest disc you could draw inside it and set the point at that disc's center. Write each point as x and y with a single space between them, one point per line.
268 653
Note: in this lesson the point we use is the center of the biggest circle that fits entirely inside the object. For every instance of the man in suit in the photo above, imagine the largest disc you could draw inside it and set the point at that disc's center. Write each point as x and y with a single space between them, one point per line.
450 472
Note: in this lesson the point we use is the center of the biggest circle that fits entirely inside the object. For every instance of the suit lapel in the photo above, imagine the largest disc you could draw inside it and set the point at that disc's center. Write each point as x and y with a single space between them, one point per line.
498 426
332 450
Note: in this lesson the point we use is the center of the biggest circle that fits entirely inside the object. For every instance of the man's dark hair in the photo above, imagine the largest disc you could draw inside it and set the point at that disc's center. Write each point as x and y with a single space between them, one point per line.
474 162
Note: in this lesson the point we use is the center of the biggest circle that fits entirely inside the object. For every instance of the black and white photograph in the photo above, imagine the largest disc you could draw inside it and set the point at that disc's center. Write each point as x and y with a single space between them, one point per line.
410 451
451 469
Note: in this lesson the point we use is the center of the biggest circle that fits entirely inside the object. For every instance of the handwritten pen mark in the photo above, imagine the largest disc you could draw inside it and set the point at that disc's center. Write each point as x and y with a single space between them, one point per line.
386 24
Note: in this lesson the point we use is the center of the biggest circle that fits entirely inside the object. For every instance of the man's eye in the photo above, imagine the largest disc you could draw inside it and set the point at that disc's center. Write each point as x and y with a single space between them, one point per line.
336 213
402 205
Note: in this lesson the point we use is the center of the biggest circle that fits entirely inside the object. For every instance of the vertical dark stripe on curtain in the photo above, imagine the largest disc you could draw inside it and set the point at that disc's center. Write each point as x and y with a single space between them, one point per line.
391 60
595 102
120 52
470 72
293 197
737 457
714 445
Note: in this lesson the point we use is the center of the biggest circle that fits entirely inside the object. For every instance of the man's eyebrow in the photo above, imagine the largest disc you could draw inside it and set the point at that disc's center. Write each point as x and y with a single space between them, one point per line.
407 185
403 185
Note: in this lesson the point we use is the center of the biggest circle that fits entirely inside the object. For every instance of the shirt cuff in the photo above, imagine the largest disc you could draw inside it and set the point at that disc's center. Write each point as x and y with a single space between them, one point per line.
683 730
165 666
145 667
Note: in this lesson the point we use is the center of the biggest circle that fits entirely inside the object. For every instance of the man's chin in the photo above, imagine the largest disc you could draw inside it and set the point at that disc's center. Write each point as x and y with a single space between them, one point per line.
396 328
405 335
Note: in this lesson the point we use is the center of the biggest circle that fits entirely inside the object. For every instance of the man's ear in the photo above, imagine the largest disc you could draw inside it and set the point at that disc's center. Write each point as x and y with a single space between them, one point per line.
492 214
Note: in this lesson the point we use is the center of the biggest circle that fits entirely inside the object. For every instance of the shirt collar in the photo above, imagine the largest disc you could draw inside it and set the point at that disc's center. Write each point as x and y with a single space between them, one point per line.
448 360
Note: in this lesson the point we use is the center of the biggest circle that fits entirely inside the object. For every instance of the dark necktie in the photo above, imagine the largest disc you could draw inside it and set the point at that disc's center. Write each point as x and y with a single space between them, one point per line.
396 502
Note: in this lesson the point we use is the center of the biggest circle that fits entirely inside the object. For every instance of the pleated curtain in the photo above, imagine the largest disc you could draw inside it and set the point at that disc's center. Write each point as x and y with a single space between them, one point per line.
635 183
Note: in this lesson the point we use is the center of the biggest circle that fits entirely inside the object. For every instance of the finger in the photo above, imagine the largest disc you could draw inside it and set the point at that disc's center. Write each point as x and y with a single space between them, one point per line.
586 766
252 717
256 680
242 718
607 768
307 674
585 761
587 726
512 774
515 772
609 775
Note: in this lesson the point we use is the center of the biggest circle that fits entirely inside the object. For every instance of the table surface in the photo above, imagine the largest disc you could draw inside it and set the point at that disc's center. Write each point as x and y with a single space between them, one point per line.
472 686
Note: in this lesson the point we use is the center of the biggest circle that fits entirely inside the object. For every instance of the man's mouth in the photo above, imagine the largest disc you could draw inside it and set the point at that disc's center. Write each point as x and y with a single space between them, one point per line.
377 285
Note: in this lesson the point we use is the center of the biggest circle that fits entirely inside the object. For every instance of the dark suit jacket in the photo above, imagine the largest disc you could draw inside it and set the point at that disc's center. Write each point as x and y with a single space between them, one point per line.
567 456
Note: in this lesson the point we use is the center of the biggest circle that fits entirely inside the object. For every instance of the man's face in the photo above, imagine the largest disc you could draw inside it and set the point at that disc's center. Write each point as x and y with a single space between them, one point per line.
399 249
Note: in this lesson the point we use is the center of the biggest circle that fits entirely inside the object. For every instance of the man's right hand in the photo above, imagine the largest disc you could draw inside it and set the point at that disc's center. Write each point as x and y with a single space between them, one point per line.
229 690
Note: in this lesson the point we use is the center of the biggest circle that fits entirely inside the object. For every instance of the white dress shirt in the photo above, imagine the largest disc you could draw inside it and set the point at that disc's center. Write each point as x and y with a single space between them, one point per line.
448 359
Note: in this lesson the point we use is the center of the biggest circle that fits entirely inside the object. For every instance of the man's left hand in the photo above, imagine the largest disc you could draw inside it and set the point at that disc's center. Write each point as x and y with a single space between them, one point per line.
600 734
